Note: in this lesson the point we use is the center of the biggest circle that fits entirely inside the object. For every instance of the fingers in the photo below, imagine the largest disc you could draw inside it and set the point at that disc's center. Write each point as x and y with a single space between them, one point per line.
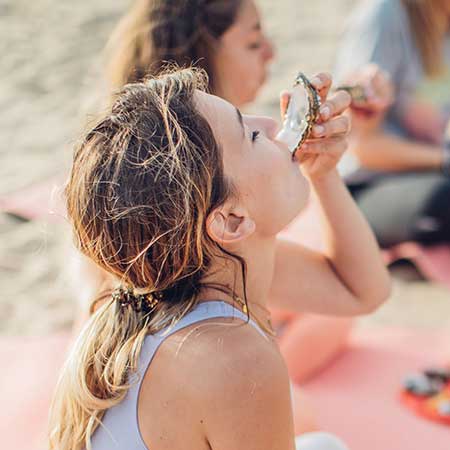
383 90
332 146
284 102
378 87
322 84
335 105
339 126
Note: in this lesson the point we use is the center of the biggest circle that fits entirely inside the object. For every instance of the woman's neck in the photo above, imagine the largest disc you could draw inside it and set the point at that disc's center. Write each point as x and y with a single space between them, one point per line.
259 256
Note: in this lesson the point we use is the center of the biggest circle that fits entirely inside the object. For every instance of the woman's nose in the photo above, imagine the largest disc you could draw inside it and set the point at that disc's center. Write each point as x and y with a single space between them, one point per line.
268 51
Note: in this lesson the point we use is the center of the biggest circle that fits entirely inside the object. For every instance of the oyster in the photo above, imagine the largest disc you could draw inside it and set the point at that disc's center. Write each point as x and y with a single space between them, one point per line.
301 114
357 93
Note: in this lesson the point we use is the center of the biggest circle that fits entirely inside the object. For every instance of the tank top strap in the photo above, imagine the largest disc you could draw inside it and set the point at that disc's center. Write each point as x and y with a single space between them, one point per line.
205 311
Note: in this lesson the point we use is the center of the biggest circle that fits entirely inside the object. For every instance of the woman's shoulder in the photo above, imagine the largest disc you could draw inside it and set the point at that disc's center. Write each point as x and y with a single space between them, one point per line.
383 6
218 360
226 376
216 346
384 13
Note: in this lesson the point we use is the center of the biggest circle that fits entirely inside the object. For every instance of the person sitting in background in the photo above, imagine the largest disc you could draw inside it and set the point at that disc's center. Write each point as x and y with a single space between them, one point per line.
399 169
223 37
168 193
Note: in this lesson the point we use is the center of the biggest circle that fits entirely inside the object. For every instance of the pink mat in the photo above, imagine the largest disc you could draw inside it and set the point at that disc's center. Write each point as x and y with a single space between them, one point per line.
40 201
30 368
432 262
356 397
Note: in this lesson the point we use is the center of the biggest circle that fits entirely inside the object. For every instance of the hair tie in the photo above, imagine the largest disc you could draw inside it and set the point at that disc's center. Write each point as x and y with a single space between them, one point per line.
139 302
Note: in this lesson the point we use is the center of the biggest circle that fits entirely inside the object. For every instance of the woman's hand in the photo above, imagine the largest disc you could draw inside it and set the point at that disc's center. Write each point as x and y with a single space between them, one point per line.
378 91
324 147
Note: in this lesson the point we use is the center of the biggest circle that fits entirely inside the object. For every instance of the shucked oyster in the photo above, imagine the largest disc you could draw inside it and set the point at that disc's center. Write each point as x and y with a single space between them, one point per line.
301 114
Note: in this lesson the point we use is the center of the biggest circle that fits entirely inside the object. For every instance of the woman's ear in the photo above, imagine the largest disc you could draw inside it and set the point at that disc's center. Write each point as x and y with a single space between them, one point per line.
229 226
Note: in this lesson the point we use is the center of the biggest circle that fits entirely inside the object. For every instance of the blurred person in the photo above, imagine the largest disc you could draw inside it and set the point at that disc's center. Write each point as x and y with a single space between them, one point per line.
227 39
398 167
223 37
169 194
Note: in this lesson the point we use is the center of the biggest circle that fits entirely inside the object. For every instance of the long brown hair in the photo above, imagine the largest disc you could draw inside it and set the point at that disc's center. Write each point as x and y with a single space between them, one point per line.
429 21
157 32
143 181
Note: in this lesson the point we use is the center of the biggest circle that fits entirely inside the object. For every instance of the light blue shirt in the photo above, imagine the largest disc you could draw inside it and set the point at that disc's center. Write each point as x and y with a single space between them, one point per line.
379 32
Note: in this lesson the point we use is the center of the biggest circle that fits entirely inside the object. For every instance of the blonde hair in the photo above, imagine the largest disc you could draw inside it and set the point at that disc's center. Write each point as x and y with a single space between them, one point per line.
429 21
142 183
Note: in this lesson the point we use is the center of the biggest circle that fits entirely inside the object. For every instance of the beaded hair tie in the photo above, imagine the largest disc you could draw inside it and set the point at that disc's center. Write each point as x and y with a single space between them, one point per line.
139 302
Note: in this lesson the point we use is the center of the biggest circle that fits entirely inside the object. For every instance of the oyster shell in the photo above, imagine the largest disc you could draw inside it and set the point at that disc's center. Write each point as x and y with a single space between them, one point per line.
357 93
301 114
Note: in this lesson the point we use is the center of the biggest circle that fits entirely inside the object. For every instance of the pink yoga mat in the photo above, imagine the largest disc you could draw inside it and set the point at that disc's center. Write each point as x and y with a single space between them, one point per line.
40 201
355 398
30 367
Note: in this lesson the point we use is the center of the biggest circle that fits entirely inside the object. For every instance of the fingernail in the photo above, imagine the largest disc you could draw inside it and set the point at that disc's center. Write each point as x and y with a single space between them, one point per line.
316 81
325 112
319 130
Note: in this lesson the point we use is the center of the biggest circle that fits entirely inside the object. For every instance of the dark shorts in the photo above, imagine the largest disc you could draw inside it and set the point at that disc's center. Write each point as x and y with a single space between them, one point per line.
404 207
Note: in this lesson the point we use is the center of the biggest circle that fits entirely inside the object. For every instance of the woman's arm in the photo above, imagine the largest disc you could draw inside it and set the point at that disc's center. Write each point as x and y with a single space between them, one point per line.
381 151
349 277
378 150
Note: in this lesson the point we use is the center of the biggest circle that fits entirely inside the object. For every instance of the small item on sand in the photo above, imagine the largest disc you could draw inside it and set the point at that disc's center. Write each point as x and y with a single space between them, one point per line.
301 114
428 394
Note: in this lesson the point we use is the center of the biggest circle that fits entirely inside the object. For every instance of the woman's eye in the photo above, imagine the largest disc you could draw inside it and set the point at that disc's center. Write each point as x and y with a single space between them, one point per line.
255 46
255 135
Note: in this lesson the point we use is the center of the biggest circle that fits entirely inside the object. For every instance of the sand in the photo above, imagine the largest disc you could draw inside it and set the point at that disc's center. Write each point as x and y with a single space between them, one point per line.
50 61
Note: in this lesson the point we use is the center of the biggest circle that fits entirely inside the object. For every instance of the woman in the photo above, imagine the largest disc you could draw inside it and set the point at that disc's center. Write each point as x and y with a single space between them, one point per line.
400 154
180 199
226 38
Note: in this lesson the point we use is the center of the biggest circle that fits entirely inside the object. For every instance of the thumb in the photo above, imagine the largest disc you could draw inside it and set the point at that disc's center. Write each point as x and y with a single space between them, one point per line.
284 102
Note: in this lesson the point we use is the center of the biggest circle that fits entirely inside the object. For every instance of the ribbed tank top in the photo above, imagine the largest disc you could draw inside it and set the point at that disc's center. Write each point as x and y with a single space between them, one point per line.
120 428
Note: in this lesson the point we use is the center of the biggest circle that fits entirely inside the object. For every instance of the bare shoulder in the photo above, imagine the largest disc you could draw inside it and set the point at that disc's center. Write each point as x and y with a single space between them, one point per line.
237 355
230 376
227 350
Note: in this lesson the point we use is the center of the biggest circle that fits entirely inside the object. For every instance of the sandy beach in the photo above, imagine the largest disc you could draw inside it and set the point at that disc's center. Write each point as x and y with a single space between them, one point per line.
50 70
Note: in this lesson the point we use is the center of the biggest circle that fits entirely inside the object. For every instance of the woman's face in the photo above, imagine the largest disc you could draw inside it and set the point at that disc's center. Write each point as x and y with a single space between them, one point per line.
270 187
240 62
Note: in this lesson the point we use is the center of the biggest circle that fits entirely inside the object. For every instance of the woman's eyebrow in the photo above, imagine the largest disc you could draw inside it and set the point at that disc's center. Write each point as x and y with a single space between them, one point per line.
241 121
